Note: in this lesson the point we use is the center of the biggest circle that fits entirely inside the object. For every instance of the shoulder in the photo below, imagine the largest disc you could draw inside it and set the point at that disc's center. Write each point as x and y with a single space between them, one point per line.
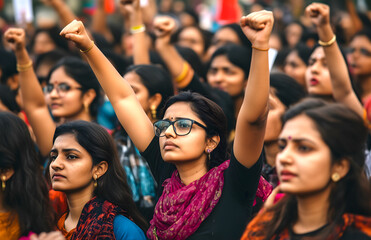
125 229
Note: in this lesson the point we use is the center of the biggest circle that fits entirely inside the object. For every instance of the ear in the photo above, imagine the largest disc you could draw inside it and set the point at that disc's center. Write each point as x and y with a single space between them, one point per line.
342 168
13 82
8 173
100 169
212 143
155 100
89 96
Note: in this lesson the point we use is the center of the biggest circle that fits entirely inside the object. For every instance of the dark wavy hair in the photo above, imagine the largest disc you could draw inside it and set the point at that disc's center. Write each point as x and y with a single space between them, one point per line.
213 117
81 72
26 192
112 186
344 133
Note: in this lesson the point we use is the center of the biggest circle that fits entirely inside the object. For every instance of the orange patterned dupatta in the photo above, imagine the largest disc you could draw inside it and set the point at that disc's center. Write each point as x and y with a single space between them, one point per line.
359 222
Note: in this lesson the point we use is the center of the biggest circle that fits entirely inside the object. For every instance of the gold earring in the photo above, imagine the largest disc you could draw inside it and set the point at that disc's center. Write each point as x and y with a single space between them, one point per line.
335 177
154 112
3 177
208 154
95 180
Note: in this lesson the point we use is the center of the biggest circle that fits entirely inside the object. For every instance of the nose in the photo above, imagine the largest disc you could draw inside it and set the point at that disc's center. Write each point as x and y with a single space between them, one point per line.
56 164
54 93
170 131
284 157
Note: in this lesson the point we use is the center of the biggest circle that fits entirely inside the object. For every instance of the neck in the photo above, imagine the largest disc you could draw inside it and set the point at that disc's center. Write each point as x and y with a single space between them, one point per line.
271 149
312 211
365 85
191 171
83 115
76 202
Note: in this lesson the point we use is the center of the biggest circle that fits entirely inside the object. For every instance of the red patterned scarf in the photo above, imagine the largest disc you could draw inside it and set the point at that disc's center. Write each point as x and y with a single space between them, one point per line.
96 221
181 209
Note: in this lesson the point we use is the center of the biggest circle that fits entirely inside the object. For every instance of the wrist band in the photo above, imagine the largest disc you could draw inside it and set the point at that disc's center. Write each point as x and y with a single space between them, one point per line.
184 72
89 48
260 49
137 29
24 67
329 43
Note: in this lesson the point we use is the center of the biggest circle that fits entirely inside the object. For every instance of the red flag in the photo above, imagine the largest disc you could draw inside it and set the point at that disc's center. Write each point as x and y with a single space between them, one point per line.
228 11
109 6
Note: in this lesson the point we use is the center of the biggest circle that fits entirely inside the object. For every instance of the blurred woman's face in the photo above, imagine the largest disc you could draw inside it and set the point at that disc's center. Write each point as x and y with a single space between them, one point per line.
317 76
43 43
226 76
140 90
64 95
360 56
295 67
190 37
274 123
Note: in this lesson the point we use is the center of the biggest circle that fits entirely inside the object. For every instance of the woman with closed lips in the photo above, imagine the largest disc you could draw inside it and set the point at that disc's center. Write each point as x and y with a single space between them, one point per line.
317 76
321 172
84 165
208 185
72 92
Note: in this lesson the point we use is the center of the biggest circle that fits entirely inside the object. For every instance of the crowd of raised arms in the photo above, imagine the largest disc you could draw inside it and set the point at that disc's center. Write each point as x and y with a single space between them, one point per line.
143 124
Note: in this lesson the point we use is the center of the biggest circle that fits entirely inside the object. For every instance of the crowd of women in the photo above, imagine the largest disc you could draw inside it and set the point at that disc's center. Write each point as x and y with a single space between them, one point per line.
174 132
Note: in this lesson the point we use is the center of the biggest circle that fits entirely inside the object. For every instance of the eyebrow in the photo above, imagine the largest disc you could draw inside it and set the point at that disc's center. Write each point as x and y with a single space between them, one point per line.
65 150
296 140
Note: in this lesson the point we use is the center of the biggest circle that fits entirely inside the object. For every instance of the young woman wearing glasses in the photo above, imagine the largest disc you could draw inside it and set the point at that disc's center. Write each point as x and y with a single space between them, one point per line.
202 198
72 93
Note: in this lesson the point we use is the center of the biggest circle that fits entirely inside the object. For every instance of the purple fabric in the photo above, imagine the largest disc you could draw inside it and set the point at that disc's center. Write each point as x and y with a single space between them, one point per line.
181 209
264 190
26 237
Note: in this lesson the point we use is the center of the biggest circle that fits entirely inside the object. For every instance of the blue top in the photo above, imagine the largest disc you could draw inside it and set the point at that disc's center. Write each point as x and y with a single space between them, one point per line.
124 229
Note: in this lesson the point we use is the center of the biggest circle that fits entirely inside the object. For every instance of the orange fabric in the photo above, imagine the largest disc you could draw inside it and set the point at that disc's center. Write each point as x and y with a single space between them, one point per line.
59 202
358 222
9 230
60 226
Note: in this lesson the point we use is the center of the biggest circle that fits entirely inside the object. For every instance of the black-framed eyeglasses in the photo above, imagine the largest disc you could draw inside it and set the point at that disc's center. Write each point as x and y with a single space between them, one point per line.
61 88
181 126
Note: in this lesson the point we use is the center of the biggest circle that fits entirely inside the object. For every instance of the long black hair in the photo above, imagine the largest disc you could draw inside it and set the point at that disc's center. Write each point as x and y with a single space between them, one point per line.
213 117
26 192
112 186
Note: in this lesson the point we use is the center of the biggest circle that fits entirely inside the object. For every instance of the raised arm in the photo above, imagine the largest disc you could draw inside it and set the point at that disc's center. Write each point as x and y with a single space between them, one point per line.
32 95
122 97
99 22
137 28
181 72
342 89
251 120
63 10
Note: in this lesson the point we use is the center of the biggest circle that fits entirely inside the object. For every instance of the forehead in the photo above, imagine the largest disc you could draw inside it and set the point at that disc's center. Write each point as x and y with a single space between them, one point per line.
361 41
181 110
59 75
301 127
67 140
133 78
190 32
318 53
221 61
227 34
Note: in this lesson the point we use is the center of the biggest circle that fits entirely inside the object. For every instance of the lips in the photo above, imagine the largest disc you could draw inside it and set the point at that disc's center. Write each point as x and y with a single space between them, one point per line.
169 145
287 175
54 106
313 82
57 176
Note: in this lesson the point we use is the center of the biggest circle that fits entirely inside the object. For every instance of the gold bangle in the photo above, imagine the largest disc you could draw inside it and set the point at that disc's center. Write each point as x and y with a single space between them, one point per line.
260 49
329 43
137 29
184 72
87 50
24 67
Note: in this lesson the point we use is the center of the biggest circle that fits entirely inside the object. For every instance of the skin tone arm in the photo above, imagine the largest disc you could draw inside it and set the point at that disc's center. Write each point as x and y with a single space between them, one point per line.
134 13
64 12
164 26
342 88
99 21
32 94
122 97
251 120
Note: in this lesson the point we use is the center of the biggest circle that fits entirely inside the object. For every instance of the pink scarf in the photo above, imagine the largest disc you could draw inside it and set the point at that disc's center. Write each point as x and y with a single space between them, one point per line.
181 209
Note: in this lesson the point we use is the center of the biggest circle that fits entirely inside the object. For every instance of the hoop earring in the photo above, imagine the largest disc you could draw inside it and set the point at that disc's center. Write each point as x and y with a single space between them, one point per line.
3 177
95 180
335 177
153 112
